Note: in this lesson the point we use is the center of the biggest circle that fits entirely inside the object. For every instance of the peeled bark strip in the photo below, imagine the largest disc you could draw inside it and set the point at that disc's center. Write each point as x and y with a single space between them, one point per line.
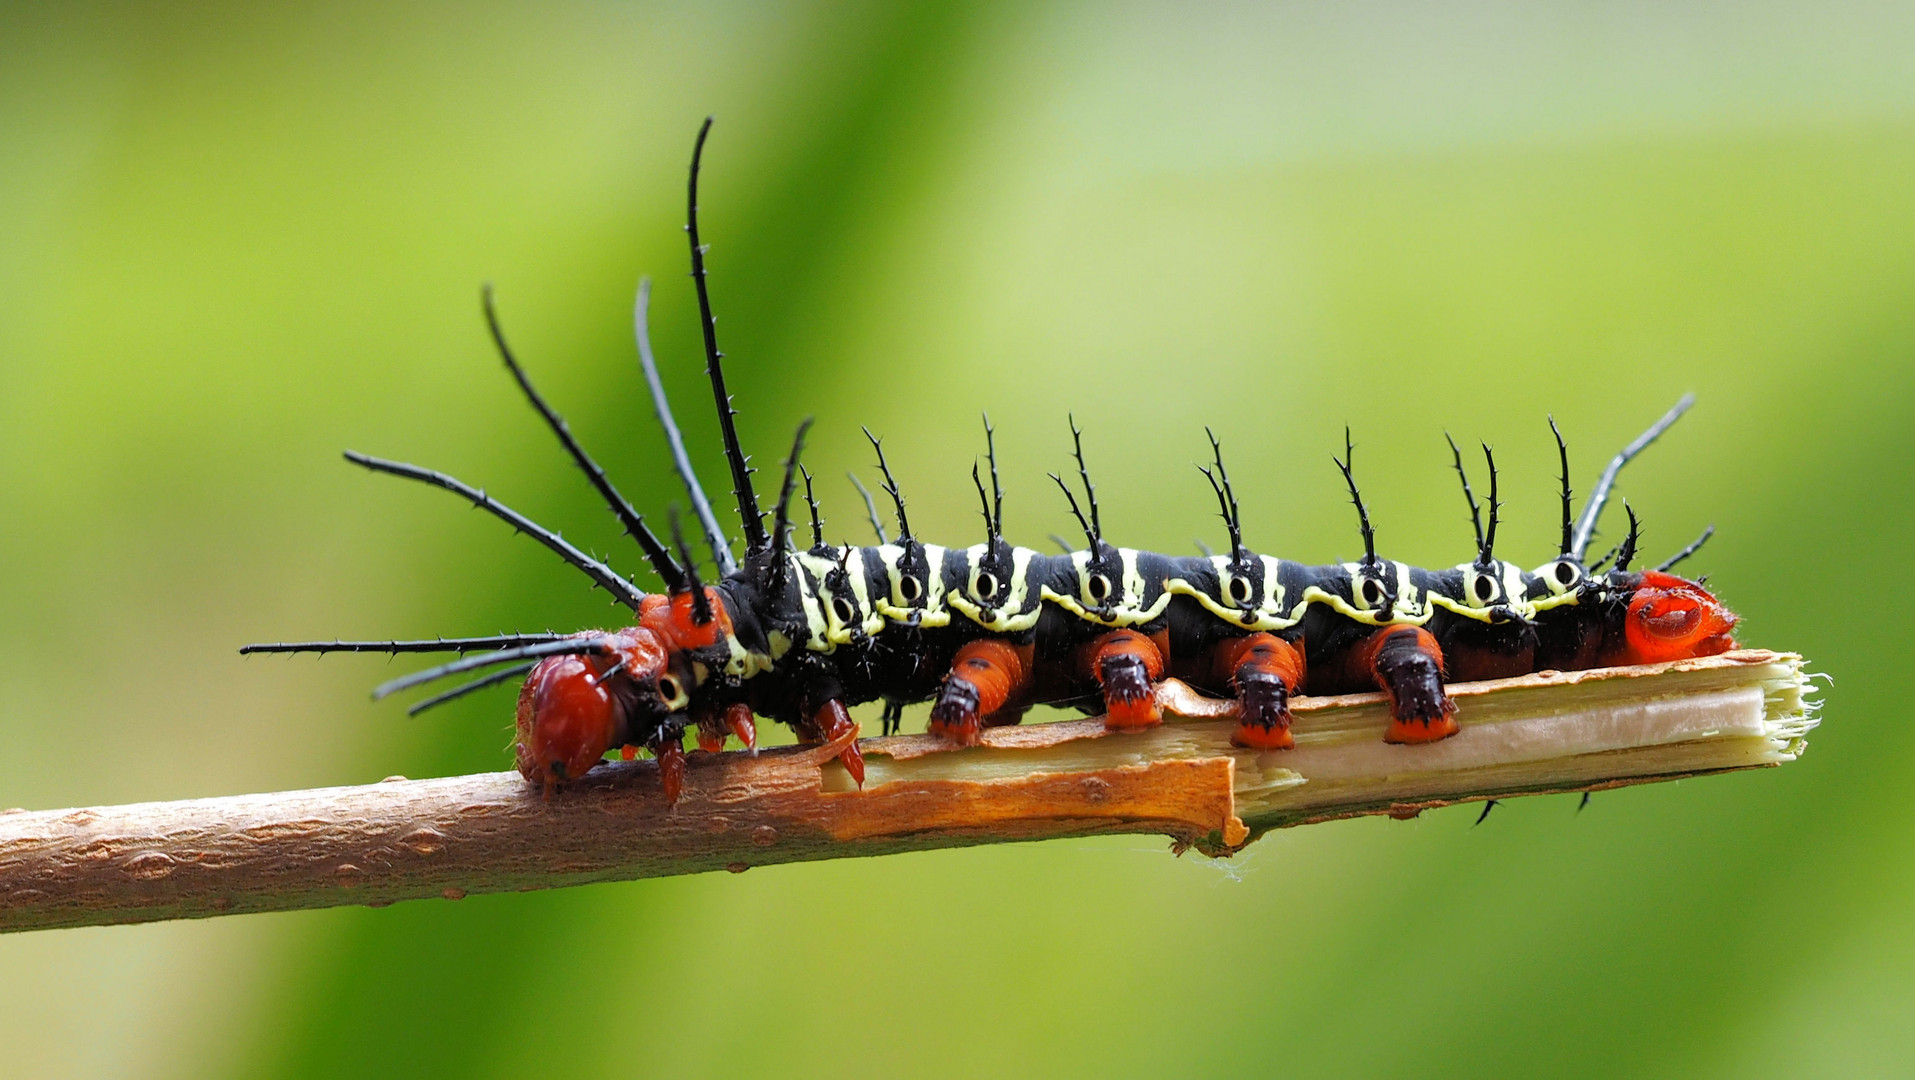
410 839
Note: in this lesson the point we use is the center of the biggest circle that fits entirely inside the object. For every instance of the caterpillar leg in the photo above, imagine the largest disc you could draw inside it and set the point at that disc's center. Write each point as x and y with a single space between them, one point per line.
1264 670
1125 664
734 721
987 677
738 722
668 746
1408 667
822 718
709 723
831 721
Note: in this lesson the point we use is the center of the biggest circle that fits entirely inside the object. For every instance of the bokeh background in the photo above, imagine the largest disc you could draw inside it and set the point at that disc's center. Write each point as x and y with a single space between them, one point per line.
235 239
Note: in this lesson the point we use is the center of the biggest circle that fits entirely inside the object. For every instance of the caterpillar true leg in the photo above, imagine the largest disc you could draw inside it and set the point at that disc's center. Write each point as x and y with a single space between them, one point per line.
1264 670
831 721
1408 667
710 727
738 721
822 717
988 677
668 746
717 724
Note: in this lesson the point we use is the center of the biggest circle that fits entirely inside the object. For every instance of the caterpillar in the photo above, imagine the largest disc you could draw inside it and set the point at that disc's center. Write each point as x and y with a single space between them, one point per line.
986 630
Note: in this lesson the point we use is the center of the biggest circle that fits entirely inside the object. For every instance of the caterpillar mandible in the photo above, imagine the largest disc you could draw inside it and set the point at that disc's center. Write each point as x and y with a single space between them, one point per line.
986 630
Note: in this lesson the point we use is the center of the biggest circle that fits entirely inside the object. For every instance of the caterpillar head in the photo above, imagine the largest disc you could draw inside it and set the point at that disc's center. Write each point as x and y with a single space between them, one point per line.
572 709
1664 617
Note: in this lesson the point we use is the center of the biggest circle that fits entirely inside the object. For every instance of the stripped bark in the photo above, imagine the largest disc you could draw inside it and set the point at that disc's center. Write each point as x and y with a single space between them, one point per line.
410 839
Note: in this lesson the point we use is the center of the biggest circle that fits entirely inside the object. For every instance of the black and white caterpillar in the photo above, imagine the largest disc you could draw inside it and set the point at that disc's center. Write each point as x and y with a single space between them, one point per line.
985 631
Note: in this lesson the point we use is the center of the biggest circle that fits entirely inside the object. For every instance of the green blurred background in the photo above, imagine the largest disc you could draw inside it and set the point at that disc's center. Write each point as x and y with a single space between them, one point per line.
236 239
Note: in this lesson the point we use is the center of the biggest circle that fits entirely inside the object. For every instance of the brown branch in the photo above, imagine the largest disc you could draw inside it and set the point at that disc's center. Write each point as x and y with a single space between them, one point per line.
409 839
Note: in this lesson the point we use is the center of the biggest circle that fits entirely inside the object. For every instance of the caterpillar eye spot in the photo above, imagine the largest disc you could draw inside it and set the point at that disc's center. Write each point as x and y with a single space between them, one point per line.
1371 592
987 586
1099 588
669 689
1483 589
1564 574
1239 590
911 589
842 608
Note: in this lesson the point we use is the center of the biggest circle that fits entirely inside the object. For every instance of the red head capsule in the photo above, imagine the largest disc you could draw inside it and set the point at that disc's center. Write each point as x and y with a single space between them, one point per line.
1670 618
567 719
572 709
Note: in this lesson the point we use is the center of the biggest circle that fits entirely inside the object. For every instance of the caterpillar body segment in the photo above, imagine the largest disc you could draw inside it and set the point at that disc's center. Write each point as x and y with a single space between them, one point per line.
984 631
851 628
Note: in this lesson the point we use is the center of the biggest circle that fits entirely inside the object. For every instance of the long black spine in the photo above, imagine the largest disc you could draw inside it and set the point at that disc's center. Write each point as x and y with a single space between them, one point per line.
458 692
604 576
1562 454
990 528
782 517
1356 499
817 518
1694 547
781 521
1475 511
1599 495
459 645
681 461
573 647
749 517
1090 530
870 505
890 488
997 490
1631 542
1226 501
1090 492
634 524
1495 508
